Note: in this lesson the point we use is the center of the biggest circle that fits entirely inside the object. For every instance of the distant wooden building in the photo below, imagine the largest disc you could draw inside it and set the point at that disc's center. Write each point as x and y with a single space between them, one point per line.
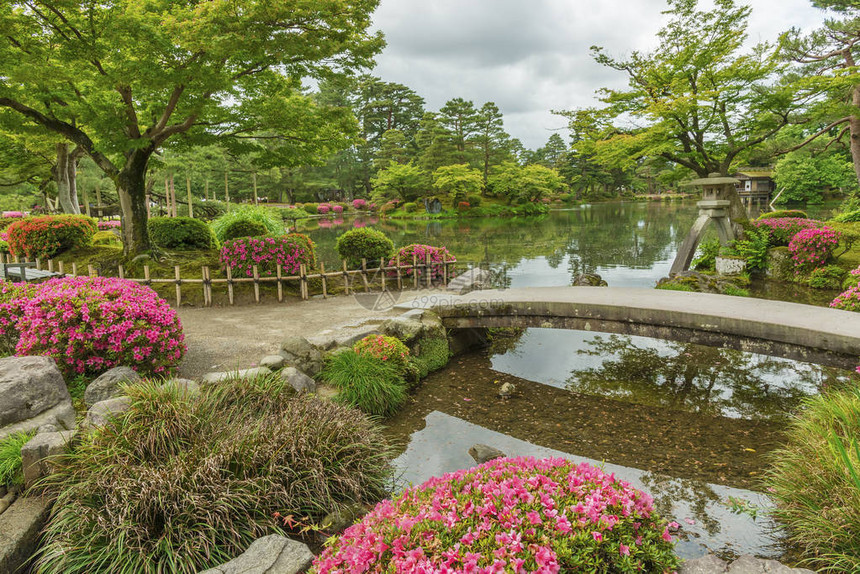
756 184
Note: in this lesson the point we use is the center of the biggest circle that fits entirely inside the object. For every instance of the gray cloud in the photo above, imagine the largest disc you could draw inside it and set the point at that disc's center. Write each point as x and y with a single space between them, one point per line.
531 56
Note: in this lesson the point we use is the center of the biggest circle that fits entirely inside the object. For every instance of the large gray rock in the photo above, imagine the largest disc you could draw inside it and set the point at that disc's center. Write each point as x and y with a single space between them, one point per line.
344 336
37 451
273 362
301 354
589 280
19 531
213 378
405 329
483 453
32 394
709 564
101 412
751 565
273 554
470 280
107 385
298 380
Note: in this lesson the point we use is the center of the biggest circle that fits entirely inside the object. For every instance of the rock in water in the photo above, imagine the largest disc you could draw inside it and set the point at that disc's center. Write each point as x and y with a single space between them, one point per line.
507 390
589 280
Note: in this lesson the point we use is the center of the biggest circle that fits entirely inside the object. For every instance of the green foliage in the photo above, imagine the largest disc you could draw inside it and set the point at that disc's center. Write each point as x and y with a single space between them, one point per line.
784 213
676 287
458 181
736 291
529 183
222 464
363 243
752 248
294 213
805 177
11 471
310 208
708 251
106 238
405 182
374 386
243 228
828 277
814 481
268 217
180 233
847 216
411 207
474 200
431 354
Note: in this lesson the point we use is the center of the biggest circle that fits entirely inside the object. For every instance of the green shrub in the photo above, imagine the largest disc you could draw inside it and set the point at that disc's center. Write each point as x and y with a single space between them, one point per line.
568 197
222 465
293 213
848 216
106 238
180 233
11 470
431 354
243 228
708 252
474 200
311 208
814 481
781 213
828 277
363 243
410 207
365 382
268 217
48 235
752 248
4 246
389 350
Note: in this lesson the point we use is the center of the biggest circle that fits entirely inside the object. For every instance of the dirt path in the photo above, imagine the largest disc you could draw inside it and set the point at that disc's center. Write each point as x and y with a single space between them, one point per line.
225 338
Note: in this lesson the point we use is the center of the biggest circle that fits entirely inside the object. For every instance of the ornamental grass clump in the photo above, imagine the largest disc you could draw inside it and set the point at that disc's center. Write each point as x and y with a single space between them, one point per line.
375 386
781 230
45 236
811 248
289 251
182 482
509 515
814 481
91 324
421 254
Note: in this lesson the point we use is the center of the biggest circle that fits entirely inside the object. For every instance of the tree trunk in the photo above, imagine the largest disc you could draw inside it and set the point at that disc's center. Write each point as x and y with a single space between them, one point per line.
65 173
131 188
188 191
854 127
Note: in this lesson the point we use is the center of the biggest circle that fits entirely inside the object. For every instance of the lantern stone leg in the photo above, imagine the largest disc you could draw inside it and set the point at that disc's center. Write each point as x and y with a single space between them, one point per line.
710 211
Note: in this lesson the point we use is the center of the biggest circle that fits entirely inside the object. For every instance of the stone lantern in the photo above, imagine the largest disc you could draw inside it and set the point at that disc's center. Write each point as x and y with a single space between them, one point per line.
714 208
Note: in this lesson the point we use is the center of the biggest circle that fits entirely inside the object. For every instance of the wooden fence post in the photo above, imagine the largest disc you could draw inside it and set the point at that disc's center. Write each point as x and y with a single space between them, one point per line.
60 269
304 282
39 264
121 272
322 272
382 272
256 284
74 269
280 285
178 286
91 270
414 271
345 279
207 298
364 274
146 280
230 283
428 270
399 278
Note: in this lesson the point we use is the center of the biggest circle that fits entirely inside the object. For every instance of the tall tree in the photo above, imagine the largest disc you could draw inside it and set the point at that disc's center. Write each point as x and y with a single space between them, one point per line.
435 144
490 138
460 118
119 79
702 99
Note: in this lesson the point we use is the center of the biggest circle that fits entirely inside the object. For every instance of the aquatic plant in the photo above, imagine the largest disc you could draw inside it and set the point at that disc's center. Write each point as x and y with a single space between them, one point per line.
221 464
815 481
289 251
811 248
509 515
365 382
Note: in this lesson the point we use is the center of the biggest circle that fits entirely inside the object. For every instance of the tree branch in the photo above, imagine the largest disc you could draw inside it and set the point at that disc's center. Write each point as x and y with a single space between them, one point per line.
815 136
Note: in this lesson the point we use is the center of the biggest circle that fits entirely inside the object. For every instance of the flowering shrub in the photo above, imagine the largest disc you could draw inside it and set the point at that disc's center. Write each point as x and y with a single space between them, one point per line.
437 256
13 214
323 208
337 208
288 251
848 300
359 204
386 349
363 243
90 324
781 230
109 224
12 297
811 248
48 235
463 205
509 515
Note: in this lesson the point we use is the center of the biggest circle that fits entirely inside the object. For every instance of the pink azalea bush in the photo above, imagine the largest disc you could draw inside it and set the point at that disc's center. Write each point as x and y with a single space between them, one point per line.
387 349
323 208
848 300
109 224
289 251
781 230
13 214
811 248
509 515
90 324
337 208
359 204
437 256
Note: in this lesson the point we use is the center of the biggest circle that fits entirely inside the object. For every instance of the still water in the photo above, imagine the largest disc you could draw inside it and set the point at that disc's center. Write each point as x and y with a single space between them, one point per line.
691 425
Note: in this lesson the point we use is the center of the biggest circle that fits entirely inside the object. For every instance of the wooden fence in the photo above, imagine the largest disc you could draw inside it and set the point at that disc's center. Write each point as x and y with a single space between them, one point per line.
402 275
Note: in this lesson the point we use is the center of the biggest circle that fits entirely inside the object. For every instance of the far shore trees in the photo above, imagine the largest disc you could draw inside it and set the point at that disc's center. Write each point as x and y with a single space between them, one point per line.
117 80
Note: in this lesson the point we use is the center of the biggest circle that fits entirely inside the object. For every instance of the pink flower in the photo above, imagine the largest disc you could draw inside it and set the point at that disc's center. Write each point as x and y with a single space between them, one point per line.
597 536
623 550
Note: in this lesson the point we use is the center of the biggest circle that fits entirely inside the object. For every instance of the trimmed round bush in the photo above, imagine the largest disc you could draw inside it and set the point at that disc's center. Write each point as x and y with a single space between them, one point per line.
410 207
182 483
7 221
180 233
783 213
337 209
827 277
363 243
386 349
811 248
289 251
90 324
420 253
474 200
362 381
106 238
293 213
48 235
323 208
268 217
522 514
243 228
848 216
359 204
311 208
814 481
12 298
781 230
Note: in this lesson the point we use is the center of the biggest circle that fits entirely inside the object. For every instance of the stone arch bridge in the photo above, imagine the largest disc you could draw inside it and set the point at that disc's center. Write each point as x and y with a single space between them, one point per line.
800 332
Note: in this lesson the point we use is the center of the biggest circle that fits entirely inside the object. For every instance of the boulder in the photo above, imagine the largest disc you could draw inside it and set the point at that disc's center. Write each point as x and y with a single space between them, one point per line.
101 412
298 380
273 362
730 265
750 565
507 390
213 378
470 280
107 385
345 336
589 280
301 354
186 386
405 329
37 450
709 564
20 526
32 394
273 554
483 453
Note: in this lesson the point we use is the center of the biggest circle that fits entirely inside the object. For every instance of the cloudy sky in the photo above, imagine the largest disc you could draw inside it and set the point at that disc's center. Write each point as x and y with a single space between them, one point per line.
531 56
